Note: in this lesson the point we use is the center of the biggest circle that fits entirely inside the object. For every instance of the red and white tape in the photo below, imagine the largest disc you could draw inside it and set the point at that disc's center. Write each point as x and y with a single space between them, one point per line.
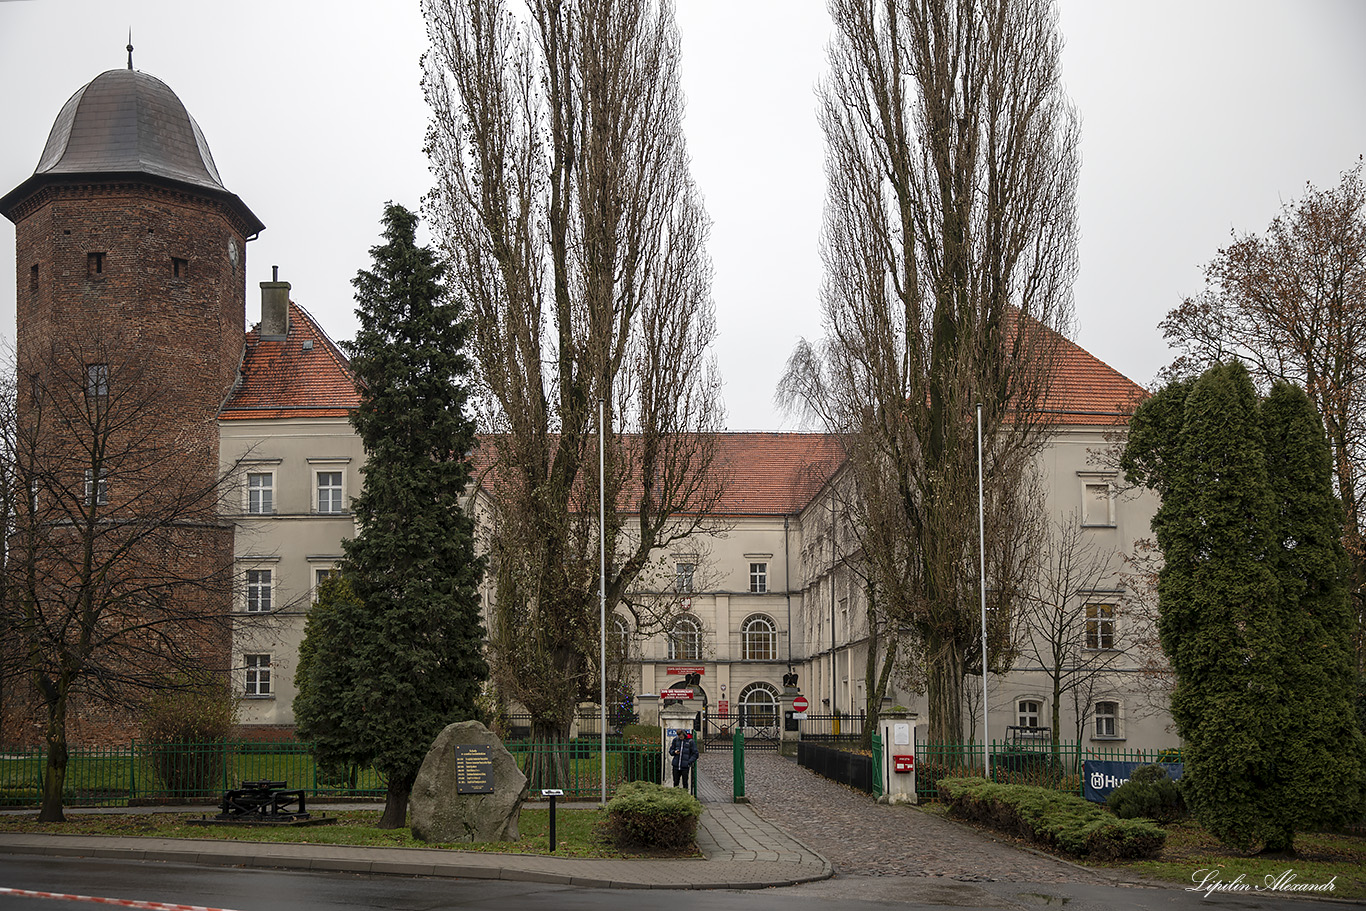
121 902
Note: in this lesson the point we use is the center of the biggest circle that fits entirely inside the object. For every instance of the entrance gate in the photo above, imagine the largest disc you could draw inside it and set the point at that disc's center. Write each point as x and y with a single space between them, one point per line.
758 729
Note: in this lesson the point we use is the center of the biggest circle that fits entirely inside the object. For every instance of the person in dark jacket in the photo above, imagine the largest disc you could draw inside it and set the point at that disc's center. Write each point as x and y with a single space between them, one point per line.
684 751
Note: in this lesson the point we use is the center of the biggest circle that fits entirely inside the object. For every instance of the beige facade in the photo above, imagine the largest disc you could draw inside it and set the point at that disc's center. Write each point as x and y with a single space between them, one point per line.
291 517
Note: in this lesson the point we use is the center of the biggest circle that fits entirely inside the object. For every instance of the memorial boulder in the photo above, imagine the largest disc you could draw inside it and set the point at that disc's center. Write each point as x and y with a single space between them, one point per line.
468 789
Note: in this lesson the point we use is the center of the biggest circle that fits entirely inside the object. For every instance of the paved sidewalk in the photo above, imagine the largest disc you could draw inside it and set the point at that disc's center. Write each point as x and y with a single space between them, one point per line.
741 850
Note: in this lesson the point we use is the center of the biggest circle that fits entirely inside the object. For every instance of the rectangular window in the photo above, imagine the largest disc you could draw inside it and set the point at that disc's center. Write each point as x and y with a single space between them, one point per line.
94 264
1029 710
259 590
329 491
1100 626
180 268
258 675
96 494
1107 715
96 380
758 578
261 493
683 576
320 576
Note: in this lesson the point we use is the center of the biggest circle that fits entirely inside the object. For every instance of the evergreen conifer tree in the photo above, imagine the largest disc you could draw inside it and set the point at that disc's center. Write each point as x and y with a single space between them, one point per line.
400 655
1252 608
1323 750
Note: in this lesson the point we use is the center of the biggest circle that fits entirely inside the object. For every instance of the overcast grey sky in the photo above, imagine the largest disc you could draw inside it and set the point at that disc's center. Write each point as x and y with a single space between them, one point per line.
1198 118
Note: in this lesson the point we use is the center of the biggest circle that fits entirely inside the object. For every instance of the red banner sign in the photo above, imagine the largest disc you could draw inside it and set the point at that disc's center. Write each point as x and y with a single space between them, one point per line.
675 694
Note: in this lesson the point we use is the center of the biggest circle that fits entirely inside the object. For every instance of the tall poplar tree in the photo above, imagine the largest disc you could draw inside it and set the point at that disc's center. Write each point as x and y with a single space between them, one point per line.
400 655
1252 605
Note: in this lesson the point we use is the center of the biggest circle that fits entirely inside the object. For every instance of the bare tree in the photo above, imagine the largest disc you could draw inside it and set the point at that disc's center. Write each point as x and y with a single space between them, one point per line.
1067 622
119 567
564 201
1291 304
949 247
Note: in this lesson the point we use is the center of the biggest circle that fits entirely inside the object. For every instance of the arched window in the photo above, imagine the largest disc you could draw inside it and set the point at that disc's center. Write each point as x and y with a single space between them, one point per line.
618 637
759 706
685 640
758 639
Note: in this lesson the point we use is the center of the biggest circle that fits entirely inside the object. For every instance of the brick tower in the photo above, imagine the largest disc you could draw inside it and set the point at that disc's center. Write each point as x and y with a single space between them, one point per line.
131 262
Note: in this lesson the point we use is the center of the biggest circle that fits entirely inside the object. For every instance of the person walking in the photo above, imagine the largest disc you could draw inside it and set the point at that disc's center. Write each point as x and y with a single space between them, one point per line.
684 751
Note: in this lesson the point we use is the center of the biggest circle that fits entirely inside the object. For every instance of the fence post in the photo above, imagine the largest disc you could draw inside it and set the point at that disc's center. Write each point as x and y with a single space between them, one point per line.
132 771
738 767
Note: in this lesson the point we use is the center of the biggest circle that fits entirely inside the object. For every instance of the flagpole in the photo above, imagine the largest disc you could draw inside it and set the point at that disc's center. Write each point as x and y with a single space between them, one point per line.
982 586
602 601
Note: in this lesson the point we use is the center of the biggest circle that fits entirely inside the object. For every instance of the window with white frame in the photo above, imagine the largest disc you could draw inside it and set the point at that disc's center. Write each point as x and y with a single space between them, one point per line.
1107 720
260 493
683 576
329 486
260 590
257 681
685 640
1028 711
96 380
1100 626
618 637
1097 502
96 494
758 639
758 706
758 578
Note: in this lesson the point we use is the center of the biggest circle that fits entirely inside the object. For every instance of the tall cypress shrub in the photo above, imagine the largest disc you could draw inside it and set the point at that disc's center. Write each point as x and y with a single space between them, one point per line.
1252 612
1323 751
405 657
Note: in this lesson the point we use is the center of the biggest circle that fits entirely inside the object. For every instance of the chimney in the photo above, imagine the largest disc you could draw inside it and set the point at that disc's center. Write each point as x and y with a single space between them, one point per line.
274 306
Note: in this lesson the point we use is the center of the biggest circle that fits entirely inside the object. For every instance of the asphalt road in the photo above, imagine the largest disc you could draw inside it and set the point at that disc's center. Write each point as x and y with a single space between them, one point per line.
269 890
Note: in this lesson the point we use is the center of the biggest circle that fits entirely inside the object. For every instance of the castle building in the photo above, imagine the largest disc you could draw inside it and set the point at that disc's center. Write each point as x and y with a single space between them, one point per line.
131 263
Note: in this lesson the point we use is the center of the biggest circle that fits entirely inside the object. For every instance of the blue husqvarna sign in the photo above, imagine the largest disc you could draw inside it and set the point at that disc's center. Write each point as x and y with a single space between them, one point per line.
1101 776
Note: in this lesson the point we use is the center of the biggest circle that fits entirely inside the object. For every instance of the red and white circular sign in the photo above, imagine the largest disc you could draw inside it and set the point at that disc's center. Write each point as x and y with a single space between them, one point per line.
799 703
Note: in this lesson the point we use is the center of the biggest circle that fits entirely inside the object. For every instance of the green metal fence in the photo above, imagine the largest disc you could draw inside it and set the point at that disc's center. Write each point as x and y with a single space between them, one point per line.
575 766
201 772
1038 763
877 766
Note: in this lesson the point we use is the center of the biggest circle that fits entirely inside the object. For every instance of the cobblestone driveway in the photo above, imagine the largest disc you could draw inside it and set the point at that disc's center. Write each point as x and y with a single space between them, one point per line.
864 838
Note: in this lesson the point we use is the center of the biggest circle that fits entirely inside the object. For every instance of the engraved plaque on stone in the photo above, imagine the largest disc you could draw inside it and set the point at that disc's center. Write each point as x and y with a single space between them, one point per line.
473 770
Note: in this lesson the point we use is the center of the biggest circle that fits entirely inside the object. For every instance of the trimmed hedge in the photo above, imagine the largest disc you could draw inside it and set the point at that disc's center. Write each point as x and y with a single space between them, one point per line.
1063 821
1148 794
647 815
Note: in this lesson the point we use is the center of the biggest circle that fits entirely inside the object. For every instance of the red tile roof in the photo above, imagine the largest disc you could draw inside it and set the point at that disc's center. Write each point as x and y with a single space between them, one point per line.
774 473
303 375
1086 390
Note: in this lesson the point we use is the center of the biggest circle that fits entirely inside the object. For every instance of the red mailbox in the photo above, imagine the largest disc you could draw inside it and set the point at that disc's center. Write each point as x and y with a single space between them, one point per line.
903 763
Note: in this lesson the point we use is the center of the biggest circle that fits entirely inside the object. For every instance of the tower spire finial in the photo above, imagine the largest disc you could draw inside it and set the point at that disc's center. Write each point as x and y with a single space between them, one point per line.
130 48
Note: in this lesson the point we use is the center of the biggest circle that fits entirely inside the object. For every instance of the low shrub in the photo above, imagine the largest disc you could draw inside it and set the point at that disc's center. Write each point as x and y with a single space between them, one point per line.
1062 821
646 815
184 729
1148 794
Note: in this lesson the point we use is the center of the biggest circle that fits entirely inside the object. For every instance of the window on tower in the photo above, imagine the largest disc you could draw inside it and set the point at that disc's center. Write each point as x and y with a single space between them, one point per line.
94 263
96 380
180 268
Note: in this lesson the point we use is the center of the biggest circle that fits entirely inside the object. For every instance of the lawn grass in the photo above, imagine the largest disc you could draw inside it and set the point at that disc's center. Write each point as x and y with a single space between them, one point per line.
1189 849
578 832
1319 858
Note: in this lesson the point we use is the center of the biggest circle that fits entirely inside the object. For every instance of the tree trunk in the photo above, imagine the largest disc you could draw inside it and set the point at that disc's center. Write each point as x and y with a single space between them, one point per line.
549 763
944 691
396 803
54 774
876 689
